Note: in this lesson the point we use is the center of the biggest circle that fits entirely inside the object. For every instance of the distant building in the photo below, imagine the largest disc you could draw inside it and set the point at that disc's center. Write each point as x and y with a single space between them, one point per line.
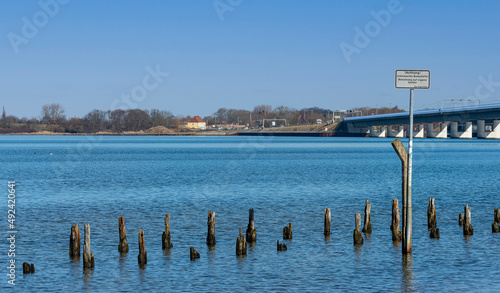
197 123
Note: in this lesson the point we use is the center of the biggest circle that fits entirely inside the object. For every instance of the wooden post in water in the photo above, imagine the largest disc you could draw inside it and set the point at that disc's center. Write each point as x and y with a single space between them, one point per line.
432 219
241 245
26 268
467 222
434 233
211 228
367 227
328 221
74 241
461 220
88 256
281 246
396 233
358 238
165 238
193 254
142 258
287 232
431 214
403 156
494 226
123 246
251 234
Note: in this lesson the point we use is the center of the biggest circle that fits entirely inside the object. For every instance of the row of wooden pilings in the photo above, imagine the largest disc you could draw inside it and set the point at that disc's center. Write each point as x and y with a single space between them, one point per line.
251 233
406 234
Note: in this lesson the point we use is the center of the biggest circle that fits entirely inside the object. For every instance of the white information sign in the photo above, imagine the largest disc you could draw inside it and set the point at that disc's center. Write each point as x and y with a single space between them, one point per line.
413 79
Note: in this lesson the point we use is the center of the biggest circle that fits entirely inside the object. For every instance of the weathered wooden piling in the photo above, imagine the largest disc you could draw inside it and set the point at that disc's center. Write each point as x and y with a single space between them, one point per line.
432 219
123 246
467 222
241 245
211 228
461 220
281 246
367 227
434 233
251 233
328 221
165 238
287 232
74 241
193 254
406 227
431 214
396 233
88 256
142 258
495 228
28 269
358 238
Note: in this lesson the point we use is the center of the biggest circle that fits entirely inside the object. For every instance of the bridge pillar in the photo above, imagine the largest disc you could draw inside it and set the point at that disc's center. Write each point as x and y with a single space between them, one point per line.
420 132
442 133
493 134
392 133
454 133
352 129
374 132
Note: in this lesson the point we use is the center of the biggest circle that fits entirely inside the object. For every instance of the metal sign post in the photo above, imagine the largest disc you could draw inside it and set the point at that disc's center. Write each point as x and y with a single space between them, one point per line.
411 79
408 194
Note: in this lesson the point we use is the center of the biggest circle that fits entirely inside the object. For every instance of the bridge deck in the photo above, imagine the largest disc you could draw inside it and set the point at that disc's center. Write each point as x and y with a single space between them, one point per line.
483 112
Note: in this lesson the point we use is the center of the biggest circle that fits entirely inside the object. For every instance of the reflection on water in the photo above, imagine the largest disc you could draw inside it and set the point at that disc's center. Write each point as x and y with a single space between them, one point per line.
407 274
87 277
142 273
367 237
241 259
76 266
122 262
358 251
167 253
211 256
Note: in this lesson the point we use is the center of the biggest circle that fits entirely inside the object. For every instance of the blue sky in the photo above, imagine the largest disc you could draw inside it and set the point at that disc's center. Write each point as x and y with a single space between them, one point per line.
92 54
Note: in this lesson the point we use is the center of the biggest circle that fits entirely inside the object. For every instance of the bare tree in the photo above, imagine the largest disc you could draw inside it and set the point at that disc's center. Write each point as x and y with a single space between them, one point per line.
137 119
162 118
262 111
221 115
53 113
117 120
95 120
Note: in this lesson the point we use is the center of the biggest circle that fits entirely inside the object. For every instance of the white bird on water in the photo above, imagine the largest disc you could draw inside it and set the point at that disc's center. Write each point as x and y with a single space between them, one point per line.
50 154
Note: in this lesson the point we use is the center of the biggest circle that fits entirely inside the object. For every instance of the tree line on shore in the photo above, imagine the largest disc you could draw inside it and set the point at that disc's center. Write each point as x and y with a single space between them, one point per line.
53 118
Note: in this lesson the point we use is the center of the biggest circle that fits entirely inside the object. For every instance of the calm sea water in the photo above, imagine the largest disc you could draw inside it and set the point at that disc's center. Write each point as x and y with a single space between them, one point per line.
98 179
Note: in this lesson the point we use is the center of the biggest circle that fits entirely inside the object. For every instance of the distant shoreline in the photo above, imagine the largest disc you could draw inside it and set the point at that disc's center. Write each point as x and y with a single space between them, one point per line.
43 133
296 130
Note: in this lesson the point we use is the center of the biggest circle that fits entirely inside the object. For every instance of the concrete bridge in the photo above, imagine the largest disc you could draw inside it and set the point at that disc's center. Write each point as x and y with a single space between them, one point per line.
465 122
